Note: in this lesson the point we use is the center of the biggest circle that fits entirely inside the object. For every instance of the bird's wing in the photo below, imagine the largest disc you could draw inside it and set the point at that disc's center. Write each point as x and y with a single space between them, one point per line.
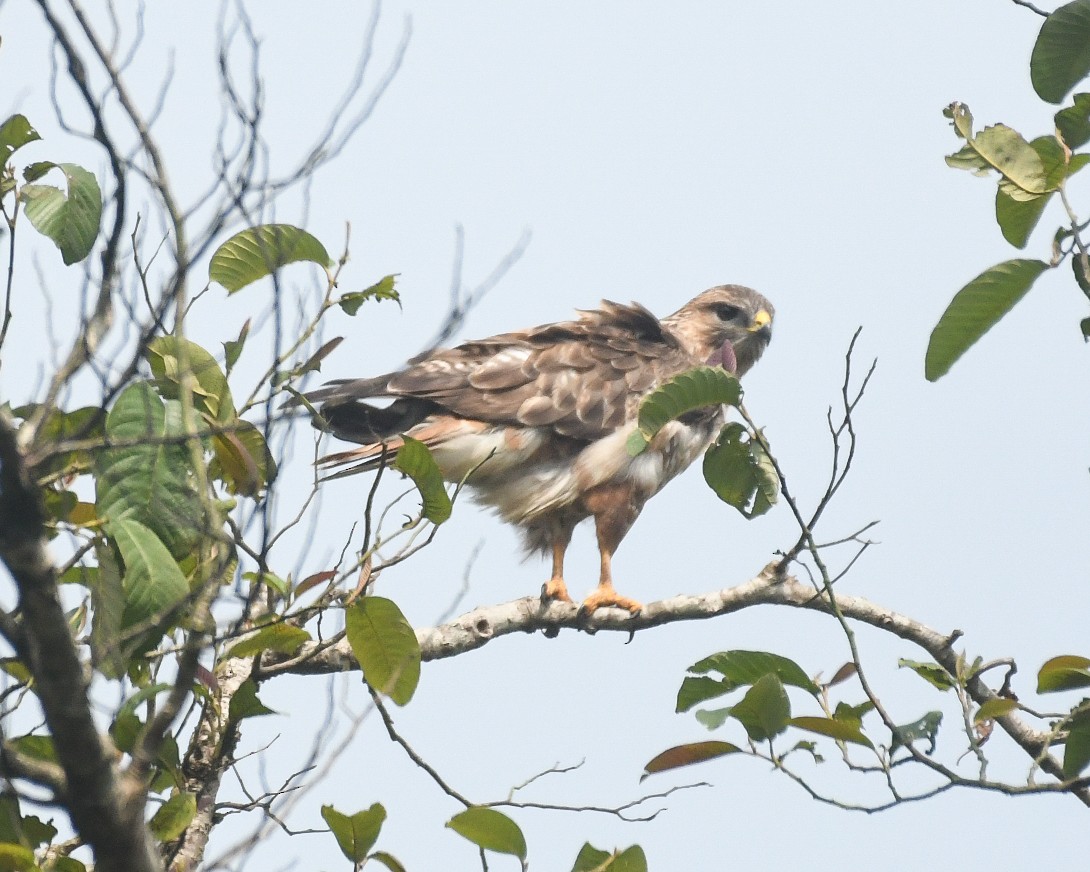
581 379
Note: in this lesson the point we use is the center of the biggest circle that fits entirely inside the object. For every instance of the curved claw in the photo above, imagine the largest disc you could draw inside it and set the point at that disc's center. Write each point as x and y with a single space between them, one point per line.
607 596
555 589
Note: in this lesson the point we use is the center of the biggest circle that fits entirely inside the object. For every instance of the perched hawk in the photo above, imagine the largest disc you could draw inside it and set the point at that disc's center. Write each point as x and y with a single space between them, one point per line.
538 419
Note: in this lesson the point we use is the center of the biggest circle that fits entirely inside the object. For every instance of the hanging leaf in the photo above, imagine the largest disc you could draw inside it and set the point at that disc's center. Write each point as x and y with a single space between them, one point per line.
260 251
415 460
173 816
491 830
242 459
232 348
706 387
154 585
385 646
71 220
591 859
741 473
1061 55
686 755
1074 122
765 710
975 309
1077 746
356 834
697 689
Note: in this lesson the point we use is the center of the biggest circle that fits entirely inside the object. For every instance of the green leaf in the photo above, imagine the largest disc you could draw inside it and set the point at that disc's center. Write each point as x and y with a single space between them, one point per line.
713 719
232 348
975 309
1084 325
16 858
1080 266
71 221
260 251
154 585
381 290
962 119
36 746
1066 672
15 132
1073 123
65 864
765 710
172 359
852 714
703 387
242 459
356 834
740 472
932 673
173 816
697 689
995 708
747 667
245 704
29 831
591 859
280 637
1077 745
1017 218
686 755
926 727
387 860
108 600
1061 55
415 460
834 729
150 483
491 830
385 646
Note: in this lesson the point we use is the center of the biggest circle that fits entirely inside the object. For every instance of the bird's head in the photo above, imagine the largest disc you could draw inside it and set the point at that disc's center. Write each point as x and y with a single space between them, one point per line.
728 326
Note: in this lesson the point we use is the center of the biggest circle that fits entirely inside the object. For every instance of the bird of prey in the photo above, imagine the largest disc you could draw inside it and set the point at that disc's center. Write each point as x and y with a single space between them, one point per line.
538 419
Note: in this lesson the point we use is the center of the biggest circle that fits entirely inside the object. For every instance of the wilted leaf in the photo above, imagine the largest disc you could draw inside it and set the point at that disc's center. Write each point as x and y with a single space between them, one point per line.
842 731
242 459
356 834
260 251
491 830
171 358
173 816
740 472
747 667
71 220
842 674
381 290
975 309
280 637
415 460
1066 672
387 860
926 727
1061 55
686 755
15 132
312 581
385 646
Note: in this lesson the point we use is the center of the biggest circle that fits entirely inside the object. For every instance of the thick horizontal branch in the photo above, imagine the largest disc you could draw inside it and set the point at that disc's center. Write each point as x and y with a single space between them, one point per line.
480 626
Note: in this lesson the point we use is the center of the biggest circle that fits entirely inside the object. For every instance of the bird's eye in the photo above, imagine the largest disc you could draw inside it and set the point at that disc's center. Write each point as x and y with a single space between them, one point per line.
726 312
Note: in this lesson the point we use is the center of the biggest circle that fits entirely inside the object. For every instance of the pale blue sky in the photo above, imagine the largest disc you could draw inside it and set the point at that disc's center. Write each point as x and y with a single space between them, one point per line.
654 151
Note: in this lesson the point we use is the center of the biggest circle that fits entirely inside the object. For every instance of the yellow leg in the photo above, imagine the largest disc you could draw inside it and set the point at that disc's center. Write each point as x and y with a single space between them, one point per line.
605 595
555 588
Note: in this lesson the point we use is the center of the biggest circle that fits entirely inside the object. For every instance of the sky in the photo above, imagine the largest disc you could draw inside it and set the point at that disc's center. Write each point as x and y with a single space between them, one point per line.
652 152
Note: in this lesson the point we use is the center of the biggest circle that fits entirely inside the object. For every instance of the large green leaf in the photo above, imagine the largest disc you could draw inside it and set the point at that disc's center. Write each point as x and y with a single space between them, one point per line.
356 834
1077 746
150 482
842 731
1061 55
172 358
975 309
71 220
698 388
1017 218
15 132
1066 672
415 460
260 251
686 755
591 859
153 583
696 689
385 646
747 667
491 830
741 473
765 710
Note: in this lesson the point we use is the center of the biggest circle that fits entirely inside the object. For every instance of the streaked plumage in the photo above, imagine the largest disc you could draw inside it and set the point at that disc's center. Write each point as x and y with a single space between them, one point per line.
540 417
